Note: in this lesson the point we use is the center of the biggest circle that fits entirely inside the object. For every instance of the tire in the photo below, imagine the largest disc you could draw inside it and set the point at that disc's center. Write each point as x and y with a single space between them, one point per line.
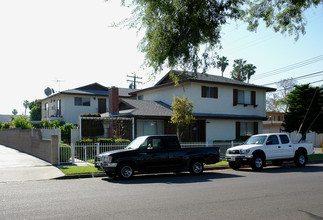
258 162
196 167
125 171
234 166
300 159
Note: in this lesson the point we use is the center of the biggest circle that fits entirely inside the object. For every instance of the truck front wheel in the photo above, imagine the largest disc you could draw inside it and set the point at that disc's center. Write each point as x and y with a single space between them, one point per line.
300 159
258 162
125 171
196 167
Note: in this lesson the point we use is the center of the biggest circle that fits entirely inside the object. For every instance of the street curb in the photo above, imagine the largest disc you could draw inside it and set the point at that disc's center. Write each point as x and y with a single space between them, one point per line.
94 175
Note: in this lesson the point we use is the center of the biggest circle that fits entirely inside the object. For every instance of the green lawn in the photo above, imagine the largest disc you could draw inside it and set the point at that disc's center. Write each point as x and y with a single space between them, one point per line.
70 170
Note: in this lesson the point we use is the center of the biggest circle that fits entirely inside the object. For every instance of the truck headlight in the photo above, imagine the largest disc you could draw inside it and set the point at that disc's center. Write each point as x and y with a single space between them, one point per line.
244 151
106 159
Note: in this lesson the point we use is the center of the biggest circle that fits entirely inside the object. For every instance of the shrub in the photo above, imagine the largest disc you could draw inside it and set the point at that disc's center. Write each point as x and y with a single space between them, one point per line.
122 141
22 122
6 125
66 132
64 153
85 141
105 141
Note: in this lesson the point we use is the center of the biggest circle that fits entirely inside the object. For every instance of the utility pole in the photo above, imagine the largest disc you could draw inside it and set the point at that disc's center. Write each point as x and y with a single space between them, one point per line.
134 81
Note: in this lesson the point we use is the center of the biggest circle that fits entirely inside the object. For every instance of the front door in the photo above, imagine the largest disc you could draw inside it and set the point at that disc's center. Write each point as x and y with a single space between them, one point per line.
102 105
273 148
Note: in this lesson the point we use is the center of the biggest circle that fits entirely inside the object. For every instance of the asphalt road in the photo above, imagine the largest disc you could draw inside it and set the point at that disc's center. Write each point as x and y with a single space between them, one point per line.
274 193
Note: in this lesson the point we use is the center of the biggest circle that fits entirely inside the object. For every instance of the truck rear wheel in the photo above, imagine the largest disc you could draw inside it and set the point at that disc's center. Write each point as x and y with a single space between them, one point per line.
258 162
300 159
196 167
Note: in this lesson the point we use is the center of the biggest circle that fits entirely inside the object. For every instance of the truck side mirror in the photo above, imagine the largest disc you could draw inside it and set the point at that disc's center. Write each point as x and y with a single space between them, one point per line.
269 142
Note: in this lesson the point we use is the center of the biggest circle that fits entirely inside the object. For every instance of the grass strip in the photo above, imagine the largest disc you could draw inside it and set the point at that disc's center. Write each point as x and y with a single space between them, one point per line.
70 170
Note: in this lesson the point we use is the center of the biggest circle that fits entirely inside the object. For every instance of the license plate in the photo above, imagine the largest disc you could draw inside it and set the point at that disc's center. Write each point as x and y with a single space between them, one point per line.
233 159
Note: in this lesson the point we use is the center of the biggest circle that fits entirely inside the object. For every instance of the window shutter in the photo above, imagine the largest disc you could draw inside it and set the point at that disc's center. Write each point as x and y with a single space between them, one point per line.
215 95
203 91
255 128
235 97
237 130
253 98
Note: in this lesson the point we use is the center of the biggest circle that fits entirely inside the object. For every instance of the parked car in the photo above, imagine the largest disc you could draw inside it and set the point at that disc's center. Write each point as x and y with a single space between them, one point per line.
263 147
155 154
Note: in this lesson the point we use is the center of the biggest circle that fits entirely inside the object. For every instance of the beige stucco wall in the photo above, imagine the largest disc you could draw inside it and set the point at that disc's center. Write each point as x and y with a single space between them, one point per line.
30 141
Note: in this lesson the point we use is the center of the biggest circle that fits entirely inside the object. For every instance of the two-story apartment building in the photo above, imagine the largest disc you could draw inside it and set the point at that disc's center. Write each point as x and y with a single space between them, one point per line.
225 109
69 104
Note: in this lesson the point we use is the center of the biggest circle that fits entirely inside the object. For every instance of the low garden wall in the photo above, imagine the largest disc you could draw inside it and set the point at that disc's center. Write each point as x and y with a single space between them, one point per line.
30 141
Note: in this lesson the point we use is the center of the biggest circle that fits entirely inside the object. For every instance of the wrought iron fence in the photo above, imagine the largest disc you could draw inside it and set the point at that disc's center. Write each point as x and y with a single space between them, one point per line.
85 153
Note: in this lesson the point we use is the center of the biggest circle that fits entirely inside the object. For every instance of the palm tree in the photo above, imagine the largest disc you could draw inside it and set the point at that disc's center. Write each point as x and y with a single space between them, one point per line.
26 103
239 72
14 112
250 70
222 63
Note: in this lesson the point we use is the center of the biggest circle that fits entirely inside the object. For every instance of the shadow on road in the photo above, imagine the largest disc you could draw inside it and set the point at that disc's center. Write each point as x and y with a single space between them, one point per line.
286 169
169 178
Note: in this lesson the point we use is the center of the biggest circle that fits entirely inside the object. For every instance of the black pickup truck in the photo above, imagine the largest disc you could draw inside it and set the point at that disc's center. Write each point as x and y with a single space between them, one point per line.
155 154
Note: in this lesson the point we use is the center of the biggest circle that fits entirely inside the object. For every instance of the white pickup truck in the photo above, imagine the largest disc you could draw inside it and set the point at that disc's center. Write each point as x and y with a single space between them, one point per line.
276 147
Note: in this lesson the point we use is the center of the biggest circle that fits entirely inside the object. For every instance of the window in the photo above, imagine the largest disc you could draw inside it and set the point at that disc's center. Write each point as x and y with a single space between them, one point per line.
284 139
140 97
244 97
46 110
245 129
209 92
59 107
153 144
80 101
272 140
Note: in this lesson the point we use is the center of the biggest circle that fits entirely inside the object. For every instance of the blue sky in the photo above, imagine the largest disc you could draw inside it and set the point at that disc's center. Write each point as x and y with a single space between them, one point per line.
71 41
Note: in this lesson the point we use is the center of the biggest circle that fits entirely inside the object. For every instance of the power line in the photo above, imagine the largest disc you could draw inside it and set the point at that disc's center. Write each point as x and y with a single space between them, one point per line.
289 67
304 76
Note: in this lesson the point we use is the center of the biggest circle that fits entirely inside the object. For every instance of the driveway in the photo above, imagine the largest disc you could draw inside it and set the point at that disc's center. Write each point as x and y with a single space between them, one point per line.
19 166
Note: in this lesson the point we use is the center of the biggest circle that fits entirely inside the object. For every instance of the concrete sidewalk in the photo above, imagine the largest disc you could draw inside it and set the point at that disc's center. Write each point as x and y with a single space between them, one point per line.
19 166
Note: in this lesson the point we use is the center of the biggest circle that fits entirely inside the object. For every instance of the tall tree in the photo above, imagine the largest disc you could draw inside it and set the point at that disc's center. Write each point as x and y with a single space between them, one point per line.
25 104
250 70
183 115
35 110
176 31
14 112
239 71
277 101
222 63
305 110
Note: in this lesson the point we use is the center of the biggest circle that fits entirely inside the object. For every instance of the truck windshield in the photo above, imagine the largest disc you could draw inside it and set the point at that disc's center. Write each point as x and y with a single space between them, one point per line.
135 144
256 140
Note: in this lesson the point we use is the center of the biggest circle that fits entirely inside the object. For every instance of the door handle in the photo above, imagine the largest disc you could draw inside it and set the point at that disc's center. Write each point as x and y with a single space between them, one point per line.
290 145
278 146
